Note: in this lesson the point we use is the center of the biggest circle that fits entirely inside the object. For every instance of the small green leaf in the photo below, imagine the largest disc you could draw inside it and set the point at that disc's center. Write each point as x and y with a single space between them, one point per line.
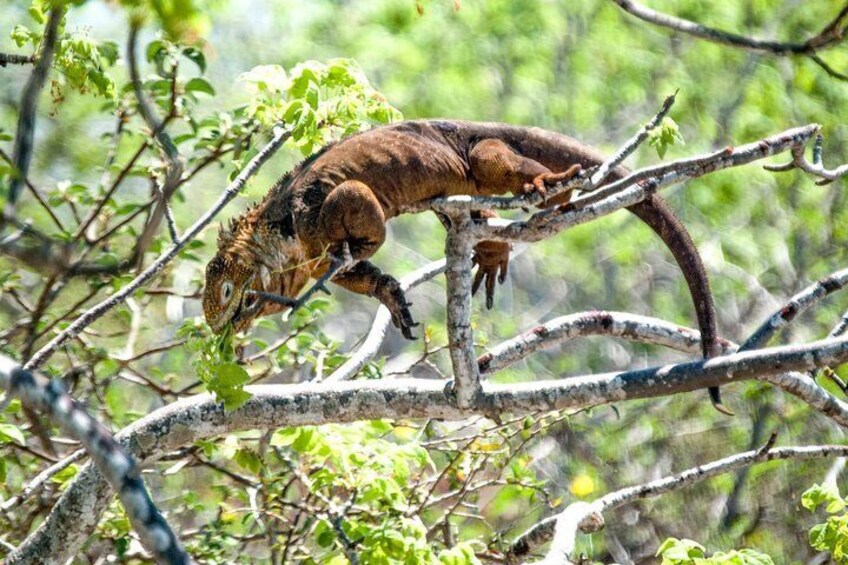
285 437
196 55
248 460
198 84
10 433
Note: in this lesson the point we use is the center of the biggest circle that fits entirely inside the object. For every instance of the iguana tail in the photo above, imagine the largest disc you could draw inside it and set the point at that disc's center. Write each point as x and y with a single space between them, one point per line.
661 218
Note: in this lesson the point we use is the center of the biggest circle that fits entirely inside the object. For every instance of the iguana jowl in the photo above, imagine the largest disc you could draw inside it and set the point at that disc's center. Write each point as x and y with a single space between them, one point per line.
345 193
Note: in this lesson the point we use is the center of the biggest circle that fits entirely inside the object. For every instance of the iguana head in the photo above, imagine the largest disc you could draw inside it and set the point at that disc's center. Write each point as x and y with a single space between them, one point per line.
251 256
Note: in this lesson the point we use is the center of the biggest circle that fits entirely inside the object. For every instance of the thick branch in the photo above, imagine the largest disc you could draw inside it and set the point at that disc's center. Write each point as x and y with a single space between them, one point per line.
459 248
111 459
274 406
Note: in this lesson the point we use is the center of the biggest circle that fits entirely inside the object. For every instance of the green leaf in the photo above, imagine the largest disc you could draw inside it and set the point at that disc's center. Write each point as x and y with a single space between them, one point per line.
231 375
154 49
666 134
817 495
198 84
196 56
248 460
21 35
37 14
284 437
10 433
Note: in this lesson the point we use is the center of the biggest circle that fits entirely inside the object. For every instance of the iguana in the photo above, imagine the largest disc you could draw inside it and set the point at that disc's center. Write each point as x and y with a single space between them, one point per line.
339 199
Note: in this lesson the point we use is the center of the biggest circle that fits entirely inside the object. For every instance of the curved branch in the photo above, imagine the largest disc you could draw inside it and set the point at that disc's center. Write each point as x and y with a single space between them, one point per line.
22 151
829 36
584 516
631 327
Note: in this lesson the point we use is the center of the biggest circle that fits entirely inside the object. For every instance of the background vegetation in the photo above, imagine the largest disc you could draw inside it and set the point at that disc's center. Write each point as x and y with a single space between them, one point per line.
584 68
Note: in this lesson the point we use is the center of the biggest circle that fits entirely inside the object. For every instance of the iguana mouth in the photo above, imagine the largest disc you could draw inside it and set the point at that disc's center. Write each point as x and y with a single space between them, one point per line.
246 310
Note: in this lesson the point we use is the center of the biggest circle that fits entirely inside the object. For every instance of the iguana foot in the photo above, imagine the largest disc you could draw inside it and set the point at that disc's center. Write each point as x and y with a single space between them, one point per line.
492 260
545 181
389 292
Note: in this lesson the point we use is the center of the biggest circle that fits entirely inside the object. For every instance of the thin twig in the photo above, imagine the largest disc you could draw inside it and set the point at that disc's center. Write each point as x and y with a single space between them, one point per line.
599 176
92 314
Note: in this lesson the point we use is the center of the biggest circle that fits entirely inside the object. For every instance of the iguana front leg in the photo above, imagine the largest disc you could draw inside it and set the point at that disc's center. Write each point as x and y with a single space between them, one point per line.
366 278
352 214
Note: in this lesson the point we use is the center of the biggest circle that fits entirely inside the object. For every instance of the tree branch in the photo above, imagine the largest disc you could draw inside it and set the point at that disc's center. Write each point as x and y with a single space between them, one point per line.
829 36
459 249
22 151
13 59
586 517
111 459
273 406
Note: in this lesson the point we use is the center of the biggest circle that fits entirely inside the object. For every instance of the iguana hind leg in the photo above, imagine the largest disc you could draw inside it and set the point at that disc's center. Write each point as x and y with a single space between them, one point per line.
498 169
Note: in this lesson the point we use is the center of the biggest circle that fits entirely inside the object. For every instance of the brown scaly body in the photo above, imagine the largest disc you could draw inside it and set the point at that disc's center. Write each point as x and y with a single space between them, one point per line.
345 194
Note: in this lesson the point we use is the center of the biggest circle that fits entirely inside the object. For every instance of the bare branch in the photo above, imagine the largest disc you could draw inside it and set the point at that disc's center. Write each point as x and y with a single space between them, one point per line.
13 59
599 176
112 460
804 299
575 516
829 36
92 314
799 161
175 163
38 482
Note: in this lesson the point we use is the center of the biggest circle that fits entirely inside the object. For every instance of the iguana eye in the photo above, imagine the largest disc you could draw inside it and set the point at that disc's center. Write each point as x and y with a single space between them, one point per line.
226 291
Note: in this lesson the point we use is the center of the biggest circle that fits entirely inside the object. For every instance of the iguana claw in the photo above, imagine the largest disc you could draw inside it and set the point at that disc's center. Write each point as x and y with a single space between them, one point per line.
392 296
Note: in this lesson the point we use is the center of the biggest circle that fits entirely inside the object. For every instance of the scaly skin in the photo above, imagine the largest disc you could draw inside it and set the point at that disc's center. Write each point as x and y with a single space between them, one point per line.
346 192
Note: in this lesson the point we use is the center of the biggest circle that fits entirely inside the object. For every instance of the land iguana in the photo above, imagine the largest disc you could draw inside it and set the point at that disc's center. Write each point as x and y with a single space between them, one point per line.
339 199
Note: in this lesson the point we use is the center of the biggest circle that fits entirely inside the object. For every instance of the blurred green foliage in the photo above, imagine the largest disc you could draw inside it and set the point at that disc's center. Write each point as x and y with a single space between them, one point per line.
220 73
